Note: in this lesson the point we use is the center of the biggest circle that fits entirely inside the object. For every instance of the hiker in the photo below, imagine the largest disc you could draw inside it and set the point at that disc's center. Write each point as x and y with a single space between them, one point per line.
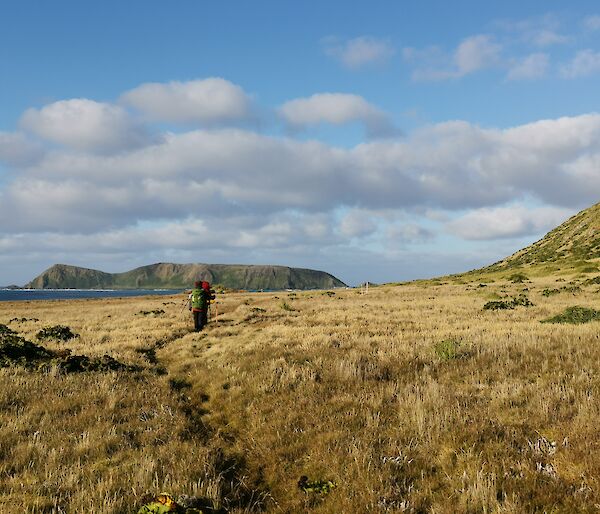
210 295
198 302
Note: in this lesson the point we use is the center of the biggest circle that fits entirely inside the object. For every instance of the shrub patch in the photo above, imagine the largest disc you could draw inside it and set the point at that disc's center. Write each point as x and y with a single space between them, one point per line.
575 315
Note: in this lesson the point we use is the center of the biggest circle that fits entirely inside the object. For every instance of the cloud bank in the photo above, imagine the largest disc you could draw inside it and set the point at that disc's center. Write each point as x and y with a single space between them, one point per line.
90 178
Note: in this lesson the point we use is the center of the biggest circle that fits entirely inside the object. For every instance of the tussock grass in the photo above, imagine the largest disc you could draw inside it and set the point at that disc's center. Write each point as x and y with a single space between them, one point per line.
409 399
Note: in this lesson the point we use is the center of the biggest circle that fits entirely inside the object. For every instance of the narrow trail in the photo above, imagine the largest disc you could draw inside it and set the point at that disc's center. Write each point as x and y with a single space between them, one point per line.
179 357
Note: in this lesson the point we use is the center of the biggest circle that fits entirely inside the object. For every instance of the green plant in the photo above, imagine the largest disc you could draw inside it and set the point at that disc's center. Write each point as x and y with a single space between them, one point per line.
447 349
518 301
549 292
518 278
57 332
154 312
575 315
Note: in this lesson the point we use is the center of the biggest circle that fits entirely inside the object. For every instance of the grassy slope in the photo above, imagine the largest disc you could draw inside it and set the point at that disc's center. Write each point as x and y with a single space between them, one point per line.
342 386
572 247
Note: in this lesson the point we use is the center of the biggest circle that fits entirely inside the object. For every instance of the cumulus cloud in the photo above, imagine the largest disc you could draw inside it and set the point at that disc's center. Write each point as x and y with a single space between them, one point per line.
267 197
86 125
533 66
472 54
448 166
475 53
337 109
507 222
359 52
211 101
18 150
357 223
408 233
585 63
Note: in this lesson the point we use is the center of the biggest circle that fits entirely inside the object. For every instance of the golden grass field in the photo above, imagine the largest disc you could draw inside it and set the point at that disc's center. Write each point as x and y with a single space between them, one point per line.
411 398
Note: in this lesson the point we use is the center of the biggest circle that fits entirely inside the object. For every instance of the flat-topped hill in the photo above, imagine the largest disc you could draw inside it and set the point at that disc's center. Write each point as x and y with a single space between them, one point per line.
175 276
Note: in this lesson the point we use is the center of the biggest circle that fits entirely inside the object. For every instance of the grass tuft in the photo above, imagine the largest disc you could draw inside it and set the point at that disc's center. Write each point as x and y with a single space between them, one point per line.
447 350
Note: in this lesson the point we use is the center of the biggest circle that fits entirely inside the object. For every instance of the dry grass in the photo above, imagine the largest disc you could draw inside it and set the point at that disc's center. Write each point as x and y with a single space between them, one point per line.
411 398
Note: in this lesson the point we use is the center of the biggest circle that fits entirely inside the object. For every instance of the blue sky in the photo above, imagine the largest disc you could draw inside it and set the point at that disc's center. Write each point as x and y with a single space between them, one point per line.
380 141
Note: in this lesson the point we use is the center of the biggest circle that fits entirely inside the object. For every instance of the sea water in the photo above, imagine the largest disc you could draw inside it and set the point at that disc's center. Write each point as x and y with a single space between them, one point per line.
13 295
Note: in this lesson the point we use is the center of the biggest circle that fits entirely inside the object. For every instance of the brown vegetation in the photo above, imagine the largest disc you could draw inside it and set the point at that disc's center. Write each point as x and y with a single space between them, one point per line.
411 398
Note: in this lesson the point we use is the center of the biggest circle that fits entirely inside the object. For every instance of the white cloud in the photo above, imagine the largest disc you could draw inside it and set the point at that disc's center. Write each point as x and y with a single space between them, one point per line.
476 53
357 223
241 192
211 101
542 31
86 125
507 222
547 37
592 22
531 67
359 52
408 233
337 109
18 150
472 54
585 63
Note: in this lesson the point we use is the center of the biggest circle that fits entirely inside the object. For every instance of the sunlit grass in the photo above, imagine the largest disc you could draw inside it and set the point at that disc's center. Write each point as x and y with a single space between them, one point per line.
410 398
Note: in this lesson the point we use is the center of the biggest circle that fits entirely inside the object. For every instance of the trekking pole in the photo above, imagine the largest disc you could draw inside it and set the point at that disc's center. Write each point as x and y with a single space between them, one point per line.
185 301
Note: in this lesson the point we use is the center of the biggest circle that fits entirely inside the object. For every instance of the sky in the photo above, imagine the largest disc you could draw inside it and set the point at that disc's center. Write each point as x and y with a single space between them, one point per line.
379 141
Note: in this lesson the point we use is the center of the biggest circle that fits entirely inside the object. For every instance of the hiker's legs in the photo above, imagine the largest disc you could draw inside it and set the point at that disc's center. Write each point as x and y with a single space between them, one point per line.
204 317
197 320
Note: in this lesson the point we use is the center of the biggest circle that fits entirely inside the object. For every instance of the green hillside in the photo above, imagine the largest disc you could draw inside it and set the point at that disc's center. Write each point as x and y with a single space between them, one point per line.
571 248
175 276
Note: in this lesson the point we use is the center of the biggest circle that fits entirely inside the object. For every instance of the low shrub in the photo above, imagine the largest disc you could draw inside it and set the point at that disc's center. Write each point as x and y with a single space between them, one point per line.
518 278
155 312
575 315
518 301
57 332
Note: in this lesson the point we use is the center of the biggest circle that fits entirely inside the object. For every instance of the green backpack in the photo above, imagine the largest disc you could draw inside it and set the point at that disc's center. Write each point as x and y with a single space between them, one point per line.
199 299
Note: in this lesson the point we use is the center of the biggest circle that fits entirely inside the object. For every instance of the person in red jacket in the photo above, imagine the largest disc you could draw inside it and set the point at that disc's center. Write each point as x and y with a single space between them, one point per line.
210 295
198 305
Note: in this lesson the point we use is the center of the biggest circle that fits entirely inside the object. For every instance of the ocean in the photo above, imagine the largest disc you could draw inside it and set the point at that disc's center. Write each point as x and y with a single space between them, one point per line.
13 295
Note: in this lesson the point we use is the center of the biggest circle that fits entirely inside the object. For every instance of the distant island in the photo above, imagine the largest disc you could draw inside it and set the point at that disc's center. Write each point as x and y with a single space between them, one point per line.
179 276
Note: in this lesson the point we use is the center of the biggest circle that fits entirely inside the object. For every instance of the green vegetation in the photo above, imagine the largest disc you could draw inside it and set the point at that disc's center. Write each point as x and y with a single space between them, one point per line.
153 312
518 278
57 332
315 486
573 247
447 349
575 315
517 301
17 351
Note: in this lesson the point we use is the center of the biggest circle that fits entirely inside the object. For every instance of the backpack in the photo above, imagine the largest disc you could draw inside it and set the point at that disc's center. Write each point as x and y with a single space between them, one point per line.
199 299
